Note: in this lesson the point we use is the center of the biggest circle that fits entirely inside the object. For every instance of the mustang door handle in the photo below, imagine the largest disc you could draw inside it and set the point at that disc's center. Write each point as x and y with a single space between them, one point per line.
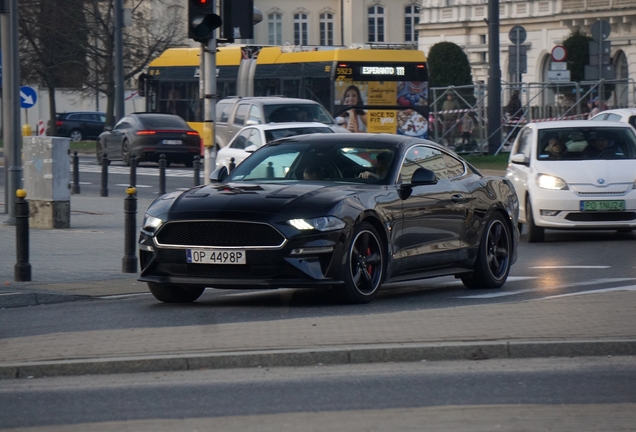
458 198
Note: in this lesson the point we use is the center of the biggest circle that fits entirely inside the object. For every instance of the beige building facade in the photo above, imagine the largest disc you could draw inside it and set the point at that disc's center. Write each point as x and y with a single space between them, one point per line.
337 22
547 23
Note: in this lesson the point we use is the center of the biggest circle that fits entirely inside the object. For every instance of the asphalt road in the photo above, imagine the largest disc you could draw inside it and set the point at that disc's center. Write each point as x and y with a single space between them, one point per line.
582 394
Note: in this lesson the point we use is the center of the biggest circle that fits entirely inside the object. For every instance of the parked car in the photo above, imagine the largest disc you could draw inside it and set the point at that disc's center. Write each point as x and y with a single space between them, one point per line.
251 138
346 212
627 115
148 136
234 113
79 125
589 183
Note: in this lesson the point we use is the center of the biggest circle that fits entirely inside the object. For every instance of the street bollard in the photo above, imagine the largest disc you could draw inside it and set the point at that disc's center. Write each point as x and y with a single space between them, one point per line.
133 170
104 189
75 190
197 169
22 269
129 261
162 174
232 165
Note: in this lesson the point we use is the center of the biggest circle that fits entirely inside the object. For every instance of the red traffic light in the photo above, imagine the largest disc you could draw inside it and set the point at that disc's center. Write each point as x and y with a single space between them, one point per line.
202 2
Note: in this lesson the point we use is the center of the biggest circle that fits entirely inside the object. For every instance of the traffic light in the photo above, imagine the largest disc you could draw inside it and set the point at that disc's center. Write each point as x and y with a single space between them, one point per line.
202 20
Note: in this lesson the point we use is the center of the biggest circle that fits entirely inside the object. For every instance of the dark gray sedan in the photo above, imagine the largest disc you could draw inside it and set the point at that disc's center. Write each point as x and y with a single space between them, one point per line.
148 136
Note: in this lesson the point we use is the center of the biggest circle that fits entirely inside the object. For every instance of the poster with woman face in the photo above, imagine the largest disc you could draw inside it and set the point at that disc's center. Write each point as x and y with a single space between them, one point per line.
407 121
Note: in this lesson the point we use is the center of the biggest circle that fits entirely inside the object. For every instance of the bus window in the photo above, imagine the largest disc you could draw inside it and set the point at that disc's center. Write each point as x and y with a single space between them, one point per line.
291 88
266 87
318 89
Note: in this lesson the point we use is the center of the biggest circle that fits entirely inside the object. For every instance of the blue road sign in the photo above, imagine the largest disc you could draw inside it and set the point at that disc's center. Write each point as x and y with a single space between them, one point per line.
28 97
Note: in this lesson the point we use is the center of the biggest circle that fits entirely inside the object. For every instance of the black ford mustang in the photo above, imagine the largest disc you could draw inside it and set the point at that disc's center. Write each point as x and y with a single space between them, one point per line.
341 211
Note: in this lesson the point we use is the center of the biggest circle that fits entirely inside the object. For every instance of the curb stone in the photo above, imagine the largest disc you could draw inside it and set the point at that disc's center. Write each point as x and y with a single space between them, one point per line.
383 353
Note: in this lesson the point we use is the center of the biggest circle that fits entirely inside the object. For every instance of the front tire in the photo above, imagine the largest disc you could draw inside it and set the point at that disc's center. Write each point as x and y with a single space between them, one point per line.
492 265
169 293
365 265
536 234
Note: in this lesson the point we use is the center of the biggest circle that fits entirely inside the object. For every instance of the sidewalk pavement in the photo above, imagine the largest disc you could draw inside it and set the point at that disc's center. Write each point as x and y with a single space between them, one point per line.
85 261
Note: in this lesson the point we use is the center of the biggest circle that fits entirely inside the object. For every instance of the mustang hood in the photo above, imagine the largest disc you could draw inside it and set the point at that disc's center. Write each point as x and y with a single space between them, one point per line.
220 199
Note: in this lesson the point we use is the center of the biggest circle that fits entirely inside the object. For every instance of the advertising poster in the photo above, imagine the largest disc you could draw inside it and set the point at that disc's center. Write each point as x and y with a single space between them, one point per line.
385 94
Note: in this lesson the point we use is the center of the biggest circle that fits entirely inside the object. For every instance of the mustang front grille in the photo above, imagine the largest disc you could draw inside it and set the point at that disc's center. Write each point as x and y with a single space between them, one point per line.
219 234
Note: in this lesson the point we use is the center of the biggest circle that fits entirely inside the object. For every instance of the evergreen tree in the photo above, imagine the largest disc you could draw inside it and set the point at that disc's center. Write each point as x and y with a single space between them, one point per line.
448 65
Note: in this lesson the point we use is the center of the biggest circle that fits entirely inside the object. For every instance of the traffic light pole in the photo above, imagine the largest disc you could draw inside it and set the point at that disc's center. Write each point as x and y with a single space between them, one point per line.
208 74
11 106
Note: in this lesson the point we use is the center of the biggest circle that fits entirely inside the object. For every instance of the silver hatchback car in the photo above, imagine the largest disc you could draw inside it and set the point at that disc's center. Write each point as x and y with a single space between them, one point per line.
232 114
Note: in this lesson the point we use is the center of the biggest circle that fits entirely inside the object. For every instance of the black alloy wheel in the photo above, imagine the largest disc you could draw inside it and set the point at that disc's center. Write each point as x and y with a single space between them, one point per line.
492 265
365 269
169 293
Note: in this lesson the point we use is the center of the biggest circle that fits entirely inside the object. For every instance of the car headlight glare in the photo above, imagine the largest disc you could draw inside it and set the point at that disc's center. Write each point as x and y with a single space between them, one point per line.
325 223
545 181
151 223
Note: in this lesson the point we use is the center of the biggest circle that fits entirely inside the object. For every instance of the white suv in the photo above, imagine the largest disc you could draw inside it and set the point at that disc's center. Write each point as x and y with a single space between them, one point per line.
232 114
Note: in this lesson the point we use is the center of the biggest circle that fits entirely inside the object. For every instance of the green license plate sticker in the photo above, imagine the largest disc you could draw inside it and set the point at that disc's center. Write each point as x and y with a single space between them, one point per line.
615 205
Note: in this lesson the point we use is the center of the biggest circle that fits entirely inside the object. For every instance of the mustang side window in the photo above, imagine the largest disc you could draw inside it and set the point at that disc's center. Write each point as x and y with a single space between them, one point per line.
423 157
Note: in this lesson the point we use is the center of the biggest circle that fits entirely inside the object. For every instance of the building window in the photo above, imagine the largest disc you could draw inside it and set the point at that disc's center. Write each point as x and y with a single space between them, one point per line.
275 28
301 23
411 19
376 24
326 29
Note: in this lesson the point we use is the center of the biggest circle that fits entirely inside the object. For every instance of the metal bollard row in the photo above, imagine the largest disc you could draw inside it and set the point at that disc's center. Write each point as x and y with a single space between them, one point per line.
129 261
75 188
197 170
22 268
162 174
103 192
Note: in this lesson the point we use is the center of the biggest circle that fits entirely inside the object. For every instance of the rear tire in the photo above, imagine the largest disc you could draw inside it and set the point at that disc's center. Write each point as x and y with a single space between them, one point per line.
493 260
76 135
536 234
125 152
169 293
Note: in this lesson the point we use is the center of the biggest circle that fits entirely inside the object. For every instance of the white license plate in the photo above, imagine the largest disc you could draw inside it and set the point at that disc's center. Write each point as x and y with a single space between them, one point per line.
216 256
172 142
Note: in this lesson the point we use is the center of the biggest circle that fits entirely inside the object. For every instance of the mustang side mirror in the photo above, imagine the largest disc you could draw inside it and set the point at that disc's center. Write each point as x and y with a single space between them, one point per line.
421 177
251 148
519 158
219 174
108 128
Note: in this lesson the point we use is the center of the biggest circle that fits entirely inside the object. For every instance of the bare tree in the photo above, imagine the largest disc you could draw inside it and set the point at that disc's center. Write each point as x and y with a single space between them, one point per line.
149 35
53 45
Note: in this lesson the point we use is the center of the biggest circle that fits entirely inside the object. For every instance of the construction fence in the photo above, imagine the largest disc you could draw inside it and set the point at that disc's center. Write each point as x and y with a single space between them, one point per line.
538 102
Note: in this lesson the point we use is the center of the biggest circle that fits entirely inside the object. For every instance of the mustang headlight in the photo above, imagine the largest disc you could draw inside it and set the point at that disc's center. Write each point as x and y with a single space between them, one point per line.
151 223
325 223
545 181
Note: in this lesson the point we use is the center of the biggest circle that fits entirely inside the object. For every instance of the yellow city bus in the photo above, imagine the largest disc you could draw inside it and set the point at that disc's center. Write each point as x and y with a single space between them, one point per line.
392 84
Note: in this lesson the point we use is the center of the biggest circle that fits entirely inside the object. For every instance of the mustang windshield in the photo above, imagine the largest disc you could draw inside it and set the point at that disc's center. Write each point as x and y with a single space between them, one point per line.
290 161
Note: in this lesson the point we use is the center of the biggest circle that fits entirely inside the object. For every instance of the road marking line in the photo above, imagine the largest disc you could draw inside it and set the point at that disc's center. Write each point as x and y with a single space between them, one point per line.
120 296
584 283
137 186
598 291
570 267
